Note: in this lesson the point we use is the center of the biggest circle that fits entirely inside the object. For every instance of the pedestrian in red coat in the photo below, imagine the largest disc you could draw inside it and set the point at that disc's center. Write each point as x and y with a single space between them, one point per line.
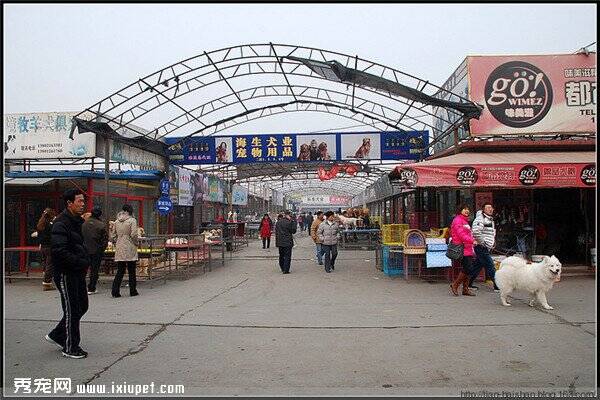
266 227
460 233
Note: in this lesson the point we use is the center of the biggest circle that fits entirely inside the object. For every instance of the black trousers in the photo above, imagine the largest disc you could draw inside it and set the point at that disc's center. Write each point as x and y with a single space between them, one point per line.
96 260
285 258
266 242
467 264
121 265
74 301
330 252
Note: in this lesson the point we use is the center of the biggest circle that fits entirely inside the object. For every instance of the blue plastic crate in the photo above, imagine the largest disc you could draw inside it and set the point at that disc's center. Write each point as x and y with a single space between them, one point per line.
437 259
437 247
393 260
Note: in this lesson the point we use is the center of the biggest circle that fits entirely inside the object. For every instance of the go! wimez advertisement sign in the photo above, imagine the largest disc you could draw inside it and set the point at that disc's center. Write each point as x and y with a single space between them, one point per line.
542 94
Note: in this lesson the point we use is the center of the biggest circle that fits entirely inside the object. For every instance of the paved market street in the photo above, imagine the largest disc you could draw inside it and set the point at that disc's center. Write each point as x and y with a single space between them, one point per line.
246 329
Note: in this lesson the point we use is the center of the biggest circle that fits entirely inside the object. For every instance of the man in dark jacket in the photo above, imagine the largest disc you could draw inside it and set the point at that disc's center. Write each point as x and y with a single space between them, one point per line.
96 240
284 240
309 220
71 261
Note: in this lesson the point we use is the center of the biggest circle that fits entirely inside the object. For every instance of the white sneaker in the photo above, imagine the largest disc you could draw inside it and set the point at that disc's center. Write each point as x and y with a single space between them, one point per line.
94 292
49 340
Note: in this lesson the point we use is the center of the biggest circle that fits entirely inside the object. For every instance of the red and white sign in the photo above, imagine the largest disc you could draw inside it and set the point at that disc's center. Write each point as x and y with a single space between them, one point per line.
533 94
539 175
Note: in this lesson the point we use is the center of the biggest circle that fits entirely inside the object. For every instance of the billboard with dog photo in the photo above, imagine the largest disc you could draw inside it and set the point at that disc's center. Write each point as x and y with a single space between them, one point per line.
316 147
289 148
361 146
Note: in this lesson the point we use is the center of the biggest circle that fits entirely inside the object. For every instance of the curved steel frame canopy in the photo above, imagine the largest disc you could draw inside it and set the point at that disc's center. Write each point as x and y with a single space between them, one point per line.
217 90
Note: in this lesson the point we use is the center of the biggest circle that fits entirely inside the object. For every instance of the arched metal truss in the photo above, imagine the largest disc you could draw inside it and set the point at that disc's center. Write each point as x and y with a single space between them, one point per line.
301 177
217 90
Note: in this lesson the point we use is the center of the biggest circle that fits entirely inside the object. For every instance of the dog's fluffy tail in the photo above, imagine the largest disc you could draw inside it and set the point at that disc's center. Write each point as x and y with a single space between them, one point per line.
513 261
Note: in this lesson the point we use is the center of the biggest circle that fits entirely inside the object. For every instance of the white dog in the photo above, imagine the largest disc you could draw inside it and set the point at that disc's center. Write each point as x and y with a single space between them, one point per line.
535 278
349 223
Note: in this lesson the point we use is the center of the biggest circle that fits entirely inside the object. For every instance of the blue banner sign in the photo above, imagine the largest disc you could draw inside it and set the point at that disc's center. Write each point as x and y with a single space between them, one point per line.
243 149
164 205
406 147
165 187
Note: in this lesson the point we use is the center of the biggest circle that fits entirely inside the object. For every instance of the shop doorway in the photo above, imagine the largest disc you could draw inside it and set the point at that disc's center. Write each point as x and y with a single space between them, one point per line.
565 220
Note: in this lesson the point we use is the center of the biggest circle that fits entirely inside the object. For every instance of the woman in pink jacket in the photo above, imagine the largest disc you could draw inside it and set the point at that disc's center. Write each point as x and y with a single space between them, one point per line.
460 233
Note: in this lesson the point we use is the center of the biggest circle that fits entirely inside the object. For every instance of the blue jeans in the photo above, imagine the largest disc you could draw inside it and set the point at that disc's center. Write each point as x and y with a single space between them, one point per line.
319 253
483 260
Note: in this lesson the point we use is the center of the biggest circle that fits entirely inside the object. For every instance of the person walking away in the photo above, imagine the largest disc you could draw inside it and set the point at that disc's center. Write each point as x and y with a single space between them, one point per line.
301 222
309 221
484 232
266 228
284 240
44 229
126 254
460 233
71 261
328 232
313 234
96 240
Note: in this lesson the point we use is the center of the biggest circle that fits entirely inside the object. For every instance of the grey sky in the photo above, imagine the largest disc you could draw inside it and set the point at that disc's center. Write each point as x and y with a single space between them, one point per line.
67 57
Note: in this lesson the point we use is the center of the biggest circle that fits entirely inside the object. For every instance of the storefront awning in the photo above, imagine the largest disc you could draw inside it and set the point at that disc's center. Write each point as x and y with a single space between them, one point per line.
507 170
27 181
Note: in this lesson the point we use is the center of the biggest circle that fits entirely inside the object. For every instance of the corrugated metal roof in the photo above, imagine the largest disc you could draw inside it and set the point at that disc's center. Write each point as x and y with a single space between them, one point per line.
27 181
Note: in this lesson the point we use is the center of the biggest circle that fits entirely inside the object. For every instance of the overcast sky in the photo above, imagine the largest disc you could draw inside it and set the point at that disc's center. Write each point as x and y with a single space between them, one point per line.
68 57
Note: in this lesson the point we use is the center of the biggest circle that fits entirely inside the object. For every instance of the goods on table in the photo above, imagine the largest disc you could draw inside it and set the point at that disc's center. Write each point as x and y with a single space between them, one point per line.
212 236
176 240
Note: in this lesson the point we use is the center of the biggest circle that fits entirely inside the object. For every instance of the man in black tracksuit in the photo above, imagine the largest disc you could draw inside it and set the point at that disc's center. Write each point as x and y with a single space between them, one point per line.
284 240
71 261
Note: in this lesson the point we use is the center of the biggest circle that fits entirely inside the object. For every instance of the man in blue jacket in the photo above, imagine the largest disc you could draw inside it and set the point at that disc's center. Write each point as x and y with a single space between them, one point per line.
71 261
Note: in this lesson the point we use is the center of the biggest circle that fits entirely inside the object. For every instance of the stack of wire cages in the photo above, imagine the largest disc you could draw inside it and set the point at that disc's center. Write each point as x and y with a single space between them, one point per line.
438 266
379 257
414 253
392 257
392 234
376 220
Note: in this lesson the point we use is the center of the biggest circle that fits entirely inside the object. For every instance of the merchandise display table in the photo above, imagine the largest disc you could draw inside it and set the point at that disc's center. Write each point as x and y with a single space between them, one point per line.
12 272
360 239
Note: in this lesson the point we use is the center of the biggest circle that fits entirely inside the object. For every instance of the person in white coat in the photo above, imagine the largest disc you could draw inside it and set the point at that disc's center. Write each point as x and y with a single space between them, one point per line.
125 235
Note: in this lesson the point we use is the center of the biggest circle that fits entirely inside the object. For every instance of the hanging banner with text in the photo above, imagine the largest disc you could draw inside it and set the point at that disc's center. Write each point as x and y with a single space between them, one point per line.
243 149
324 200
43 136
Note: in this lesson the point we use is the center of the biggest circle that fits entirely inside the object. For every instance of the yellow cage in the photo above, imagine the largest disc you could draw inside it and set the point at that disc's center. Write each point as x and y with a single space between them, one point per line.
392 234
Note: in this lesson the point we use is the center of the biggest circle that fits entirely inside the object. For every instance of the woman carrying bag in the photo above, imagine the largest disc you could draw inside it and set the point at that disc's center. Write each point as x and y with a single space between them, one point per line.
460 234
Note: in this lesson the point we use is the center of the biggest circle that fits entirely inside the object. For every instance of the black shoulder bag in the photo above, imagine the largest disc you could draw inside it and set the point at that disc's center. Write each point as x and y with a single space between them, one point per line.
455 251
